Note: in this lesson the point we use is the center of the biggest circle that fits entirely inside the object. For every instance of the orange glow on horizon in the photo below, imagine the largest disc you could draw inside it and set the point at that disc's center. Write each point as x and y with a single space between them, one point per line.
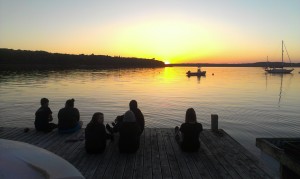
178 32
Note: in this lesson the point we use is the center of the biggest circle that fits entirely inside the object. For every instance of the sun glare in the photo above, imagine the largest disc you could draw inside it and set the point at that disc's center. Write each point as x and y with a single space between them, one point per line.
175 41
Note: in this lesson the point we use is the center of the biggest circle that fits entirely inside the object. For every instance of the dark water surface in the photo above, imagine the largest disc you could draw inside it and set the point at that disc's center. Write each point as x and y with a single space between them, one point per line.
249 103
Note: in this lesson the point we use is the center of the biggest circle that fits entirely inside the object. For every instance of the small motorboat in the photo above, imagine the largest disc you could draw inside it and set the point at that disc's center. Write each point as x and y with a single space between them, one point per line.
198 73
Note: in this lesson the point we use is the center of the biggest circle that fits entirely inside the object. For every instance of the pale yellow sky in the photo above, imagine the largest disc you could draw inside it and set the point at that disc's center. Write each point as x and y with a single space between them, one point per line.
174 31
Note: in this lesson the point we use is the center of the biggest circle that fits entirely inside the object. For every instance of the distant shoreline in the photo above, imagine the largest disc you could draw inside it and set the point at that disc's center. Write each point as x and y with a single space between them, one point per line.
256 64
40 60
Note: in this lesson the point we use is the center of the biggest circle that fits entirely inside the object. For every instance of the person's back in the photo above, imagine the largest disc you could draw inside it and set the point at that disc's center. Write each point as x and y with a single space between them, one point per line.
138 114
95 135
129 140
119 120
68 118
43 116
190 131
139 118
190 134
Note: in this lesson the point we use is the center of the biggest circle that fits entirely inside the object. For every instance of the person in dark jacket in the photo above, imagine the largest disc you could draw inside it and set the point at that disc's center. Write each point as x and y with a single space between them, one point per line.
188 134
95 135
43 116
129 131
133 106
68 118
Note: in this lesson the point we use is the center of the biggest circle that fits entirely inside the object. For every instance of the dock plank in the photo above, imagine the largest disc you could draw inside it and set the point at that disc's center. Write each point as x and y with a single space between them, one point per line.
159 155
165 167
139 162
107 157
130 166
214 157
8 132
98 158
237 157
156 168
175 170
113 163
147 167
186 166
120 167
222 153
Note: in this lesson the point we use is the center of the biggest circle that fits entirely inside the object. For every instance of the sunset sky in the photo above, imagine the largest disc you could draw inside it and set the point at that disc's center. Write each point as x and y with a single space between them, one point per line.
173 31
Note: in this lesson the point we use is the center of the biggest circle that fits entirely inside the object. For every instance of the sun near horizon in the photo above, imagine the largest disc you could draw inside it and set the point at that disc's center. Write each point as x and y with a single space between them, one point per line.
170 31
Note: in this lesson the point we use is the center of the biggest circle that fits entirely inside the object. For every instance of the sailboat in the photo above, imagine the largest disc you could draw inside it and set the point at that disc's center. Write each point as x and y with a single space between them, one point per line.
280 70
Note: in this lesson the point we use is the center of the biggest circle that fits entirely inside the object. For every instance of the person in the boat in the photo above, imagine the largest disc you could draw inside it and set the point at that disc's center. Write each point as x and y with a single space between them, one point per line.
133 106
129 131
43 117
187 135
96 135
69 118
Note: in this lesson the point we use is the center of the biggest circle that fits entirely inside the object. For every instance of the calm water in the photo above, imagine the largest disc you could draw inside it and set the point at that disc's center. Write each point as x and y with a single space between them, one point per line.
249 103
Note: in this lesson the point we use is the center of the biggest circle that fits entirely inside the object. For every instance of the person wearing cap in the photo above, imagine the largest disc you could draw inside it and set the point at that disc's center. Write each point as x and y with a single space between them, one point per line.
43 117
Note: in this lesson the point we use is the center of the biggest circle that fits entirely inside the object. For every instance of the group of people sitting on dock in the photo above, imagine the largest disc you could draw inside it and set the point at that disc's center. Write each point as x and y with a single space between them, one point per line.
130 126
68 118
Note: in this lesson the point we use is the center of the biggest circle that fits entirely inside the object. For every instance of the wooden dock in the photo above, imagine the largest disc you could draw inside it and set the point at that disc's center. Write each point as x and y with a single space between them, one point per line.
280 150
159 155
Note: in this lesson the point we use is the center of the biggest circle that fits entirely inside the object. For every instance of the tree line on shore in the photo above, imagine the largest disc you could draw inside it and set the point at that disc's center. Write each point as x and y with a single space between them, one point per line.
25 59
256 64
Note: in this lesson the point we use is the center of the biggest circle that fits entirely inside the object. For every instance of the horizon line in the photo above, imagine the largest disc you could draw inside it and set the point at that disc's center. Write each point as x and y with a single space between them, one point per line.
185 63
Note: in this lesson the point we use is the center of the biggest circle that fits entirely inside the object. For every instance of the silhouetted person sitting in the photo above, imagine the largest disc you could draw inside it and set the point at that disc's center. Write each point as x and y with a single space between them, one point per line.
68 118
129 140
43 116
188 134
95 135
133 106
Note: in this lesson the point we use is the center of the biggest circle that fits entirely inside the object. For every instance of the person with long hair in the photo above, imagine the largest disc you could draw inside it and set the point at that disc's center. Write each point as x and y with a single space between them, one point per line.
69 118
133 106
96 135
188 134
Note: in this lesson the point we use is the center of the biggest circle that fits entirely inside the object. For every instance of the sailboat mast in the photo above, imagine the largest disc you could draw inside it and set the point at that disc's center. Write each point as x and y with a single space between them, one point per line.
282 55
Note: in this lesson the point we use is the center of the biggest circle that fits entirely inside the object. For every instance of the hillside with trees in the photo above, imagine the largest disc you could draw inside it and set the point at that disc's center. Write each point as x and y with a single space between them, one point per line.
24 59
